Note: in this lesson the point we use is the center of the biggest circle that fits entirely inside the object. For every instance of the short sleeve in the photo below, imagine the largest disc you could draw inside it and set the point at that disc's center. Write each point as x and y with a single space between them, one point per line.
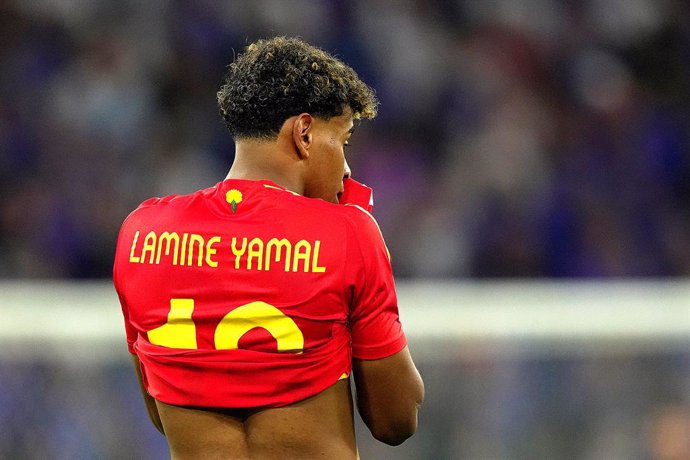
374 318
130 330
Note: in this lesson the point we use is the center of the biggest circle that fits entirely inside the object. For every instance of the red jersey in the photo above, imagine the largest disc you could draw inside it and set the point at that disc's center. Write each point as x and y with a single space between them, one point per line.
248 295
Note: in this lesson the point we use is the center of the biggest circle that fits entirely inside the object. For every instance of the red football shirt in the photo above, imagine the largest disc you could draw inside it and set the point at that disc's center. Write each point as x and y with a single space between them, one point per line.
248 295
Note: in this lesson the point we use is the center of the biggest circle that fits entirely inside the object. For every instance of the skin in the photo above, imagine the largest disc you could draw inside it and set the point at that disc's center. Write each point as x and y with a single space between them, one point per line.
308 158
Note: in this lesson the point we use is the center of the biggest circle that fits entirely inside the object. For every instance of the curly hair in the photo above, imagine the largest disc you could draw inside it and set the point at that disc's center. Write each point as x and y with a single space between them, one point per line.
277 78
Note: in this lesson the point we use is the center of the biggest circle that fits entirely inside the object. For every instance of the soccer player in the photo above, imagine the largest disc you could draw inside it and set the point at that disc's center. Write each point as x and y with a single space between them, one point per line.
251 304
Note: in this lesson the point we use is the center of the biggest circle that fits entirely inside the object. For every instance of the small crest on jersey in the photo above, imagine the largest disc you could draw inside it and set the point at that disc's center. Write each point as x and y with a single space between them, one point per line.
234 197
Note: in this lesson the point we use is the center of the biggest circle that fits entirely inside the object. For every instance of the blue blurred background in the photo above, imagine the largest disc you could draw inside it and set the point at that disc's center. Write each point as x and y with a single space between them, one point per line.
536 138
525 139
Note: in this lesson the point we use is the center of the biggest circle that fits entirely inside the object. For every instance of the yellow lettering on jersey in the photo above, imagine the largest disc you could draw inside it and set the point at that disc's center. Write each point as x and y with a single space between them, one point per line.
256 250
179 331
168 239
242 319
238 252
298 257
132 257
303 253
315 261
193 250
149 247
278 245
194 238
159 248
185 237
211 251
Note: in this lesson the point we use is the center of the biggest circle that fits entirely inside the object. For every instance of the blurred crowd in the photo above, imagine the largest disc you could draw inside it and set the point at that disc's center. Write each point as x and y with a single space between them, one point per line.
532 138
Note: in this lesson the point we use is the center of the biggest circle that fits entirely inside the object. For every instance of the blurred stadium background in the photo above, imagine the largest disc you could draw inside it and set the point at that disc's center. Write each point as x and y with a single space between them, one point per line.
531 168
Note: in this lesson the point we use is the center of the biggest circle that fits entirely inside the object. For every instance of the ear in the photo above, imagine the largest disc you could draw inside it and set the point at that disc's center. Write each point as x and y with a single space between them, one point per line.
302 134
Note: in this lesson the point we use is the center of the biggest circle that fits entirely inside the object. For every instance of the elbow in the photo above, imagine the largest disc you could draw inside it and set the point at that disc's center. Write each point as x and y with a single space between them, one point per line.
159 427
395 426
156 419
389 402
395 429
394 433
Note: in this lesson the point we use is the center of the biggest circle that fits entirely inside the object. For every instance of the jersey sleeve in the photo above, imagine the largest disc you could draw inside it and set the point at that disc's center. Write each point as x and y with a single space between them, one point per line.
374 318
120 251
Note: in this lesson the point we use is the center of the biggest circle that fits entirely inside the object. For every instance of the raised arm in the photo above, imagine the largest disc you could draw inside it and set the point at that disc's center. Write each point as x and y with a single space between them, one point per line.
389 394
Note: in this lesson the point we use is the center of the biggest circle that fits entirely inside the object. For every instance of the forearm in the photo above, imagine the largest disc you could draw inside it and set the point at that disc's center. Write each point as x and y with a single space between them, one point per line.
389 394
150 403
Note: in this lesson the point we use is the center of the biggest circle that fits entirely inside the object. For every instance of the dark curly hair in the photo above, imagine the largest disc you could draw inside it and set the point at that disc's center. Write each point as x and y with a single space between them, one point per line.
280 77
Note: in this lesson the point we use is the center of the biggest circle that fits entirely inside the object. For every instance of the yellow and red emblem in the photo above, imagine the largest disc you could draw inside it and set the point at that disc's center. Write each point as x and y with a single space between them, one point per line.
234 197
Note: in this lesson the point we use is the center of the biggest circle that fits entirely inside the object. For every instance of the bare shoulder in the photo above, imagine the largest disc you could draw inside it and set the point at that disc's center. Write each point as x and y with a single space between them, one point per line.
318 427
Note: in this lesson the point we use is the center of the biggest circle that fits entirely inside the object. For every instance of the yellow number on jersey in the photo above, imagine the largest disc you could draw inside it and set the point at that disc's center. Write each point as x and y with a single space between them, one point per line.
258 314
180 331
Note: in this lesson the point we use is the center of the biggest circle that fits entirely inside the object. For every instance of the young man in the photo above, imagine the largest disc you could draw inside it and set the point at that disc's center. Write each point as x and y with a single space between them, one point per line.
249 304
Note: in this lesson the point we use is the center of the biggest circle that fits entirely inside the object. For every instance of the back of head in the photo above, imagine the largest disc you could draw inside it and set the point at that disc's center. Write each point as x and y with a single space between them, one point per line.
277 78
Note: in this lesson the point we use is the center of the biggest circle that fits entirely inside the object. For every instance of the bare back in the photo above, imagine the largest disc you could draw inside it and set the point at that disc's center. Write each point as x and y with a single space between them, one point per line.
319 427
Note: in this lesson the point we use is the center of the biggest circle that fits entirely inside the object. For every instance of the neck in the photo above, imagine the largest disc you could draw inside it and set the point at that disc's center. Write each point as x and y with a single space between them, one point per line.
265 160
